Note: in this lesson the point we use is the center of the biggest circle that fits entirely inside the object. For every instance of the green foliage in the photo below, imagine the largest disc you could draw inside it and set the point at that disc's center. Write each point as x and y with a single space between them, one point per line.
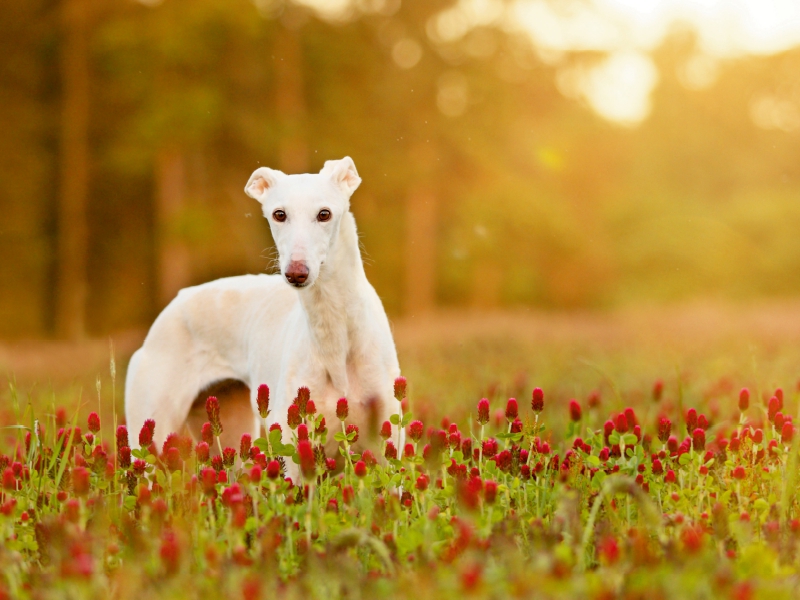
586 512
539 202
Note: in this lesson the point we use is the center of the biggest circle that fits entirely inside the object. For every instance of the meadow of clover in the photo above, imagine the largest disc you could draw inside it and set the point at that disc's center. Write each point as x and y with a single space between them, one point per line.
642 487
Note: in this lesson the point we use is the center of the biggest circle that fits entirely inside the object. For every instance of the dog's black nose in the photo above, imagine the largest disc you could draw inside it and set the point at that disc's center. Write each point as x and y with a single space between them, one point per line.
296 273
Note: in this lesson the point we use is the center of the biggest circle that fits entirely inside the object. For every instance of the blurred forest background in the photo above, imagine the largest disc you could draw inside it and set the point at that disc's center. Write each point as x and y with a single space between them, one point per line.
494 174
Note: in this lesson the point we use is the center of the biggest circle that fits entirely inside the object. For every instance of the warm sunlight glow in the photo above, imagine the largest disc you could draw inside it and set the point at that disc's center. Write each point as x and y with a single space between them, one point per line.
724 28
619 88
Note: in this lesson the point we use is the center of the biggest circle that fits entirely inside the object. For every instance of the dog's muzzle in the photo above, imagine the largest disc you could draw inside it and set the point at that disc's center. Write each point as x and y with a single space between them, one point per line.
296 273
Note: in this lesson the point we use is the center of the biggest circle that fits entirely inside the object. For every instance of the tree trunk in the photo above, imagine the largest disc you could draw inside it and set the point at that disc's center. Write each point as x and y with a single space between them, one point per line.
487 281
174 257
290 102
74 153
420 251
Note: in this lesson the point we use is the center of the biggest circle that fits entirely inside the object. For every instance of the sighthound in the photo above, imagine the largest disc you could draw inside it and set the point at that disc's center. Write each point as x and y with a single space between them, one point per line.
319 323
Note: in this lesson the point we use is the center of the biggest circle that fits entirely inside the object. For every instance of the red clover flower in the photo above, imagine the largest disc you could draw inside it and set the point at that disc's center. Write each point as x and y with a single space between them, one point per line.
537 400
483 411
574 410
244 446
512 409
341 409
146 433
360 469
122 436
350 429
400 388
744 399
293 417
303 396
228 457
94 422
212 409
262 400
306 455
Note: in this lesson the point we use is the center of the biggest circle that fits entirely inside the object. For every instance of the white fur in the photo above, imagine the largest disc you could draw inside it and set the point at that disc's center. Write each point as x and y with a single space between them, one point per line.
331 335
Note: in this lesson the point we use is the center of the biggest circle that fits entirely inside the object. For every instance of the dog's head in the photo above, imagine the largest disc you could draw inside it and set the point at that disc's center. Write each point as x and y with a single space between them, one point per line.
304 213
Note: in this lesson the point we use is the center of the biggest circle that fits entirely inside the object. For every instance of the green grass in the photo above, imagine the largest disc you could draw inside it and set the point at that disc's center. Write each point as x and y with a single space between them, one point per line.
594 527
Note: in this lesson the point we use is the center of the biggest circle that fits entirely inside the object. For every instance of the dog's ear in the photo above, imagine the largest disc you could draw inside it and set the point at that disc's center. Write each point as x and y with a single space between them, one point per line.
343 173
262 180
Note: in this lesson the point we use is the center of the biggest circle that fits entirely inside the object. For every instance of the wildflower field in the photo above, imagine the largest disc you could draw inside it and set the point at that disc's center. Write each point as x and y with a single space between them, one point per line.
654 487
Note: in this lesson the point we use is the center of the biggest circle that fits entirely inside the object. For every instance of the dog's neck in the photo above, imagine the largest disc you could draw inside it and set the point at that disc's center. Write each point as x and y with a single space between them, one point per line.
334 304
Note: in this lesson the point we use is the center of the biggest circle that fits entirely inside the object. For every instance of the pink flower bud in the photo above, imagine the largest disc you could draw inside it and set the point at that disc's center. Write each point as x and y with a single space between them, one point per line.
574 410
415 430
173 458
262 400
691 420
664 429
630 417
273 469
699 439
146 433
369 458
483 411
537 400
122 436
207 434
774 407
787 432
744 399
302 432
94 422
512 409
244 446
80 481
228 457
360 468
390 452
201 452
293 417
303 396
672 444
212 410
306 455
124 457
490 491
400 388
352 428
341 409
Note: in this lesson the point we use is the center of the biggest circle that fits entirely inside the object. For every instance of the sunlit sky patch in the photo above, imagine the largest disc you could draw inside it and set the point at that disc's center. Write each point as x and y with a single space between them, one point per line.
619 87
724 27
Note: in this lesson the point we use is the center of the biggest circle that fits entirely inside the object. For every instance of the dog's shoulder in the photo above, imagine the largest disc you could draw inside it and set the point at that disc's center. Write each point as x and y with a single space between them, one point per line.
231 294
239 283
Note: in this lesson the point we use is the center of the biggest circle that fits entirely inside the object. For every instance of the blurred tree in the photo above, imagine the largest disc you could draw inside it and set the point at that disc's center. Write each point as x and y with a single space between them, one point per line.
483 184
73 233
28 170
290 102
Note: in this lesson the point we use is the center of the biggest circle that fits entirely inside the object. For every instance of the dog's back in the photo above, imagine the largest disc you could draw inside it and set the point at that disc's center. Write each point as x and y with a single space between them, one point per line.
196 342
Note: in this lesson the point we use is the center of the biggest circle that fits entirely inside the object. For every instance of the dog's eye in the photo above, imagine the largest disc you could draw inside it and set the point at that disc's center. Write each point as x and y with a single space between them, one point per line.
324 215
279 216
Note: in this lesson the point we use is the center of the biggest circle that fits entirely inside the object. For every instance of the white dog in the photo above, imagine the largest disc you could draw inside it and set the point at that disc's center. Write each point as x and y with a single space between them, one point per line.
318 324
